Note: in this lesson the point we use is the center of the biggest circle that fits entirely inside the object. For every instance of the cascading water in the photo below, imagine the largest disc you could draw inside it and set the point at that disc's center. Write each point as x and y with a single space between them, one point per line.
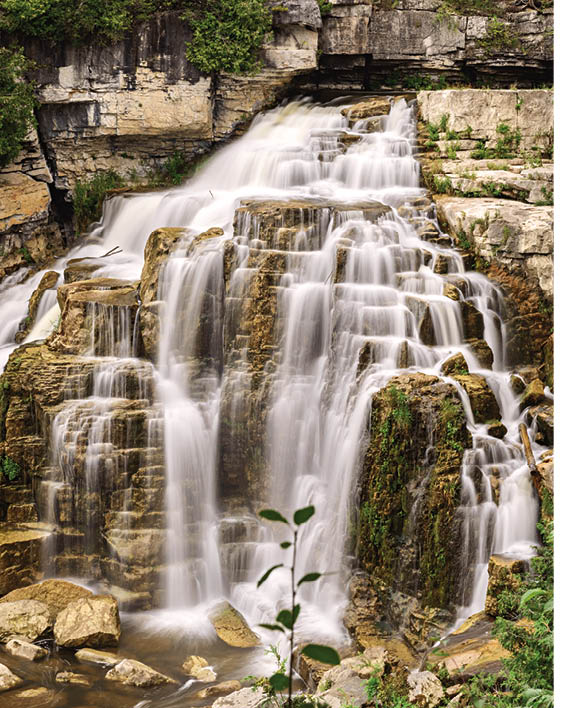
353 277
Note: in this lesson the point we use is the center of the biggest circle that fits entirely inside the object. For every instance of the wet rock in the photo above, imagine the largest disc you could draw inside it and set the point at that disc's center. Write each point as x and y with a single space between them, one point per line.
310 670
72 678
48 281
543 415
472 320
470 650
455 365
482 400
20 555
24 618
379 106
25 650
92 621
497 429
532 395
159 246
56 594
231 626
244 698
504 574
8 679
451 291
220 689
134 673
95 656
517 384
481 350
199 668
425 689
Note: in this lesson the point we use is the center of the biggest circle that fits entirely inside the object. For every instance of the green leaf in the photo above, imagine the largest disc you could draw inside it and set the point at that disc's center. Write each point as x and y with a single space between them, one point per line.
302 515
279 682
285 618
267 574
320 652
529 595
297 609
272 515
285 544
309 578
273 627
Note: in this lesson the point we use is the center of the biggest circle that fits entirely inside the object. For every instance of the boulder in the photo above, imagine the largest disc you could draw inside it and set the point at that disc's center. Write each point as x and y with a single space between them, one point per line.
482 400
532 395
8 679
95 656
56 594
134 673
472 321
231 626
199 668
24 618
90 621
425 689
25 650
20 555
455 364
342 684
481 350
244 698
497 429
220 689
72 678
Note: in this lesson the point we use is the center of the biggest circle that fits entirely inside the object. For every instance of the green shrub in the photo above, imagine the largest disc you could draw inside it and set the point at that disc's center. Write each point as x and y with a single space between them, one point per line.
89 196
176 168
9 468
324 6
228 35
16 104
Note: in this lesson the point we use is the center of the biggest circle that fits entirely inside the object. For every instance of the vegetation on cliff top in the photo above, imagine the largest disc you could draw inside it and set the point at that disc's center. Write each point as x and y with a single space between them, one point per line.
16 104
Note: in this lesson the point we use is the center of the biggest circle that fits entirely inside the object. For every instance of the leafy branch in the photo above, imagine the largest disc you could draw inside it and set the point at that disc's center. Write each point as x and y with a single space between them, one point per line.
287 618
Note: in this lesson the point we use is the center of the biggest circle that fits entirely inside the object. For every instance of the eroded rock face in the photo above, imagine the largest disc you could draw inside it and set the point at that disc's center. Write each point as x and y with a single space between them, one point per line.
24 618
504 574
20 555
91 621
425 689
231 626
482 400
134 673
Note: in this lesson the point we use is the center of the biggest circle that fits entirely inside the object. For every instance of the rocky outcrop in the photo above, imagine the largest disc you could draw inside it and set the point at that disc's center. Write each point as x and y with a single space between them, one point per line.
505 575
407 530
90 621
20 553
8 679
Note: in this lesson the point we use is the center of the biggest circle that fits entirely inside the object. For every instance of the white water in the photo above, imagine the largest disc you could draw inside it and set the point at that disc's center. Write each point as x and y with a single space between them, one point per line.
319 401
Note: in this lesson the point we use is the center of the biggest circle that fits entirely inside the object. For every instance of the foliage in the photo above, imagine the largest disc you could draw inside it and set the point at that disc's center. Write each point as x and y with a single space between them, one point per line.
507 145
89 196
425 82
16 104
9 468
227 35
324 6
176 168
528 677
286 619
499 36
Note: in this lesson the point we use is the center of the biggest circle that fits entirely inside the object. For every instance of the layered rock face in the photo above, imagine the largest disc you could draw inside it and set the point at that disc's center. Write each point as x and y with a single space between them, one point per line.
364 42
489 155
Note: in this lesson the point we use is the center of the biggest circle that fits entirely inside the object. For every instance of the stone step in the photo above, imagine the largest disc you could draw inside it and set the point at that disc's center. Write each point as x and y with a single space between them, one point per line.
20 513
143 499
135 520
16 494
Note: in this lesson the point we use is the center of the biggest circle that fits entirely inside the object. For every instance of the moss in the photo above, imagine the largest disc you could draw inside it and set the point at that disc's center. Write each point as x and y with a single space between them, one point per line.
410 491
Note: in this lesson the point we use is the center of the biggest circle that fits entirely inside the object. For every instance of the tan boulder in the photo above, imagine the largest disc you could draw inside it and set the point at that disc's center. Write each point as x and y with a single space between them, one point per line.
95 656
24 618
231 626
532 395
244 698
25 650
425 689
220 689
56 594
8 679
72 678
199 668
455 364
90 621
135 673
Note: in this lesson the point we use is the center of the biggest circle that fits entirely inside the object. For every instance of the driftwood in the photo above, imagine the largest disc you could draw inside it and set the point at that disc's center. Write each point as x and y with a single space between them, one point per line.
529 456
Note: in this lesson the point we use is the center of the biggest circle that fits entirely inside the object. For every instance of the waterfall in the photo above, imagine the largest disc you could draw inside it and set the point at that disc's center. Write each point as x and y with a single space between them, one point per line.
351 278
